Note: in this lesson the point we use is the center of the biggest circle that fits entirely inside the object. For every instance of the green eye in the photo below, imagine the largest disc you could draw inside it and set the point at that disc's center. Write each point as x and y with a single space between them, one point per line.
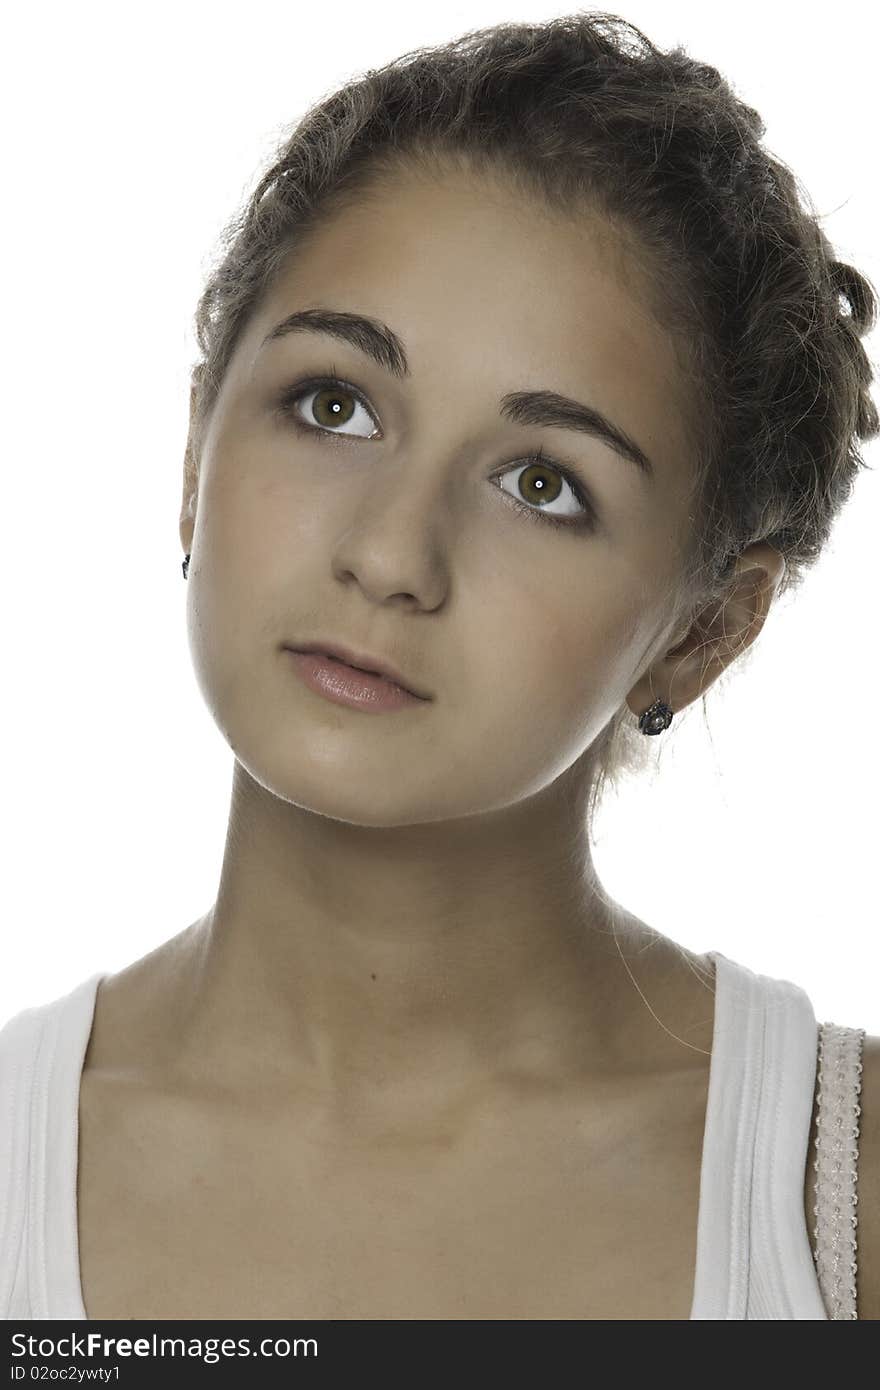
331 404
544 480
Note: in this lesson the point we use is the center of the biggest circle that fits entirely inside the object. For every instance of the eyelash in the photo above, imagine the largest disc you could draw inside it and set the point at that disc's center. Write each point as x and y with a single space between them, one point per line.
292 394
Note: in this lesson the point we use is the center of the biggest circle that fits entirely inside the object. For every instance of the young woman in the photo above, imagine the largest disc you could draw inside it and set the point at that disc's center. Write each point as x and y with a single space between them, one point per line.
527 385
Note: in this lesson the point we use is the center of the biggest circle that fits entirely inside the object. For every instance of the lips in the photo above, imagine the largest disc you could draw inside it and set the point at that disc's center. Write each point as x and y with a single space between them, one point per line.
362 661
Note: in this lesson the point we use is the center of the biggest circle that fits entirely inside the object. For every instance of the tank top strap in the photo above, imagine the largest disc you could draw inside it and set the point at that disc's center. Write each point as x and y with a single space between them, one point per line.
42 1050
835 1165
753 1253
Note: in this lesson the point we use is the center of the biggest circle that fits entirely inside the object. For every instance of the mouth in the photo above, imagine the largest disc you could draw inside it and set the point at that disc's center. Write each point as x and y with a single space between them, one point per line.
362 662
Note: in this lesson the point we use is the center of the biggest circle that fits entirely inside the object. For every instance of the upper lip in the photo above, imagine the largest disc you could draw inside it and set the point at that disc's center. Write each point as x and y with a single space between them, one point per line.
363 662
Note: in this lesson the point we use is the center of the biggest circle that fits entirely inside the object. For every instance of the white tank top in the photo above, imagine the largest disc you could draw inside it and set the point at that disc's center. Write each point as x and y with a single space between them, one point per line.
754 1258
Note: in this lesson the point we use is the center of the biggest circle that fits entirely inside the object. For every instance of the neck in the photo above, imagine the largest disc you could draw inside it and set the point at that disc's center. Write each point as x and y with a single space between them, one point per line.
375 965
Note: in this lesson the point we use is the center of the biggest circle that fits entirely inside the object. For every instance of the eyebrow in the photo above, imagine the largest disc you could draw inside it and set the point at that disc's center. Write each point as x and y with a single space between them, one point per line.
549 408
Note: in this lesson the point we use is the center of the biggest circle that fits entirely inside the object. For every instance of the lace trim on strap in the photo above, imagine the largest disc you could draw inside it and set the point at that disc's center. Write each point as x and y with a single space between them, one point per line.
836 1166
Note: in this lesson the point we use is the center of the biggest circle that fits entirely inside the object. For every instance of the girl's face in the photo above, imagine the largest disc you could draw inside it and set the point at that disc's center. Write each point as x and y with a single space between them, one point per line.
391 505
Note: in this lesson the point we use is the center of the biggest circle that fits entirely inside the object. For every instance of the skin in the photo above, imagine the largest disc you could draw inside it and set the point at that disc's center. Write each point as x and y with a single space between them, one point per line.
409 935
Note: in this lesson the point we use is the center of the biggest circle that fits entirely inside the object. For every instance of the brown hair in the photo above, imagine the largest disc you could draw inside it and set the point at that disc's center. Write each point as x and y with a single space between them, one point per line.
585 111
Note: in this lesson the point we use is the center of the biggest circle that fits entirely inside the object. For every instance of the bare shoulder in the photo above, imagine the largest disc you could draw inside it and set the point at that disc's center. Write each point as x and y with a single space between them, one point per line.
868 1184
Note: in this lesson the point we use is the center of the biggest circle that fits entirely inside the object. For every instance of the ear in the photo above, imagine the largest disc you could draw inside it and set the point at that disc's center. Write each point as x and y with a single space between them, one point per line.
190 479
715 636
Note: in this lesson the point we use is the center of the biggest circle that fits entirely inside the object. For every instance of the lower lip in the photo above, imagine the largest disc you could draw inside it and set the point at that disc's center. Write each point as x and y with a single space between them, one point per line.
345 685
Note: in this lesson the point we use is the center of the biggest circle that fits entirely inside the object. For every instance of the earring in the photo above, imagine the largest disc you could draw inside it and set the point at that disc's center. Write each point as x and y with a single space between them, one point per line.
185 565
656 718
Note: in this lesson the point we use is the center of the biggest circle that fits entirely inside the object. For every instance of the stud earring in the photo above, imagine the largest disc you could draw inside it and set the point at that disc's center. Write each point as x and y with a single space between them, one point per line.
656 718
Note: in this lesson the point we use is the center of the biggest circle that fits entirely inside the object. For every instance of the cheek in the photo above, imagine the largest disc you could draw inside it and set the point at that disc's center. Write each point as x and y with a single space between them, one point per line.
263 537
219 627
242 595
524 660
561 653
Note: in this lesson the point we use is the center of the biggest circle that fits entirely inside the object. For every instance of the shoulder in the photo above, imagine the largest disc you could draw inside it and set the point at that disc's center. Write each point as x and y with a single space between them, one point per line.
868 1184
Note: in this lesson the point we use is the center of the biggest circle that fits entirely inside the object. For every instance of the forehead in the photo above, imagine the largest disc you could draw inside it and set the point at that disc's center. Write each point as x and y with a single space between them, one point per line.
488 286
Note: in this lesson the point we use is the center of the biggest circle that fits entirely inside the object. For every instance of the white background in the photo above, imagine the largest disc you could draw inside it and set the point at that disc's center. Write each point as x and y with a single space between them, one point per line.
131 135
